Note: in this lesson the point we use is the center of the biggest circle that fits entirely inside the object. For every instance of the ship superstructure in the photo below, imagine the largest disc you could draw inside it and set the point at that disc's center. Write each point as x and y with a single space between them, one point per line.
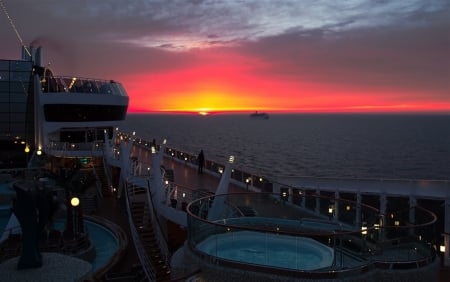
60 116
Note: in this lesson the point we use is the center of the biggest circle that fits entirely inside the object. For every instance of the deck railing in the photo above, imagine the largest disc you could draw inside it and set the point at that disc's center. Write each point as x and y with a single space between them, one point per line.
365 243
62 84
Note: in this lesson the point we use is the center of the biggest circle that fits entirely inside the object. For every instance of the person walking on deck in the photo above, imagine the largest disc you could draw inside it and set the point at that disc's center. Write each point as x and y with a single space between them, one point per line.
201 161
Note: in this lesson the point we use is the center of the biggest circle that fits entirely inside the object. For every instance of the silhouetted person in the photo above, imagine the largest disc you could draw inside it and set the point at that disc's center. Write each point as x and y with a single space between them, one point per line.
201 161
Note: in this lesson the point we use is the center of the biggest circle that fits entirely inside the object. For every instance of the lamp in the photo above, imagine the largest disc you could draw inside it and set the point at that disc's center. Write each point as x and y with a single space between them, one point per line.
364 230
75 201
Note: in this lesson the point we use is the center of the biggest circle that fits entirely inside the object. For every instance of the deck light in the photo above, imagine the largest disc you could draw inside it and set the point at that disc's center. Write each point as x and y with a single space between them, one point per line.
184 195
153 150
330 209
72 82
39 152
164 141
27 149
442 248
231 159
348 208
220 170
364 230
75 202
396 223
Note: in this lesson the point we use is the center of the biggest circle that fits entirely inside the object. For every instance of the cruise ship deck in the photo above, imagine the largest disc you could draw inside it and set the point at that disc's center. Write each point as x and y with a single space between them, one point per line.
185 174
126 264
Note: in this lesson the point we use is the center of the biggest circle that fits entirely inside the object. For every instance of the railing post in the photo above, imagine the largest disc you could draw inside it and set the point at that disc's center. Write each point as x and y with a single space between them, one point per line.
317 208
358 209
446 253
412 213
336 205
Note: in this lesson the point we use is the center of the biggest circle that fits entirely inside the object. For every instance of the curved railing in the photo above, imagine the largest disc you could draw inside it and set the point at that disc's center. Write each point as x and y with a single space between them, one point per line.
62 84
357 235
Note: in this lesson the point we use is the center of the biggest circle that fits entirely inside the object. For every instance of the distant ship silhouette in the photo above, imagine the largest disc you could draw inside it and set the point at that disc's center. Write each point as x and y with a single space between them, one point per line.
257 115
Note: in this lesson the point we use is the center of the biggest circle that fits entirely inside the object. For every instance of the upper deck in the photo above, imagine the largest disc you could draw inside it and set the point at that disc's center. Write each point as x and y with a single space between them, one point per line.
64 84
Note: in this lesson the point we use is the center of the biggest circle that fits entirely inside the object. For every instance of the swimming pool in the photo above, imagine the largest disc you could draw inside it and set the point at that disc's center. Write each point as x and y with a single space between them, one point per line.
298 253
105 242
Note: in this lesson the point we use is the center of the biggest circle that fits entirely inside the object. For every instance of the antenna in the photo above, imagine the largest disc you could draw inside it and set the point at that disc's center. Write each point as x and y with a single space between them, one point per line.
14 27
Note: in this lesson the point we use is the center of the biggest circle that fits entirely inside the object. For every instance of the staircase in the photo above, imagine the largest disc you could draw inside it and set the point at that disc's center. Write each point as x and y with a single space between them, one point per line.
100 172
142 221
89 203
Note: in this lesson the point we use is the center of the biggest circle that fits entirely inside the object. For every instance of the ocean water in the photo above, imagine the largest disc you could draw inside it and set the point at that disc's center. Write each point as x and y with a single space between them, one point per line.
361 146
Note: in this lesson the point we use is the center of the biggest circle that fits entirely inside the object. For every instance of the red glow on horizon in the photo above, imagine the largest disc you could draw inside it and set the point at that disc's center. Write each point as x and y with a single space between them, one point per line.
232 86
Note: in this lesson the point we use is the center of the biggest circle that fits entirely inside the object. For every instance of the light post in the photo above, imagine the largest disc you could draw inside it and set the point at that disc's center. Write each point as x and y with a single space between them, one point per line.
75 202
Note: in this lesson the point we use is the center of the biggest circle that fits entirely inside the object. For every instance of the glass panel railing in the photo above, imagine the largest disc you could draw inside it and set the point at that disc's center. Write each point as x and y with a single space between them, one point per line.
283 236
61 84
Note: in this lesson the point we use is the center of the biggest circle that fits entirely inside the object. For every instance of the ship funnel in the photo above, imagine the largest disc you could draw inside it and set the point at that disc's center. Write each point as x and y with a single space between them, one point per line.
38 57
33 54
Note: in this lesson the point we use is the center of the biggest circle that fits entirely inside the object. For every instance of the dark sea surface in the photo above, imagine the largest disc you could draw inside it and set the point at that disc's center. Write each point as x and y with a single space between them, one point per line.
361 146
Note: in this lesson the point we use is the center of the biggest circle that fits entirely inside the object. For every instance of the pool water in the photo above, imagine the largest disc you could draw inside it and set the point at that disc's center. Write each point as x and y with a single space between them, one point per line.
274 250
105 243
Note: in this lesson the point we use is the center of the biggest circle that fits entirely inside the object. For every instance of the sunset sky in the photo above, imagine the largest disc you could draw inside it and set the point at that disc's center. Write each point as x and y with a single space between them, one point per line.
238 55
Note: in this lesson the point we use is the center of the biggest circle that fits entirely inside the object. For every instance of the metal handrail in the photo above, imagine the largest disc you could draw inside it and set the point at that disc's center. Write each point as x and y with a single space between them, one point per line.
147 266
156 226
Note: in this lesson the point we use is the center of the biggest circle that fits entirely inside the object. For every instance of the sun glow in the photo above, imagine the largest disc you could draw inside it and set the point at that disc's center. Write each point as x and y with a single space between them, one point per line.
231 87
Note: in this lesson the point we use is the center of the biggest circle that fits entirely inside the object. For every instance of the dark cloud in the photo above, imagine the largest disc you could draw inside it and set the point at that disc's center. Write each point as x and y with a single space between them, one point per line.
377 45
410 57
